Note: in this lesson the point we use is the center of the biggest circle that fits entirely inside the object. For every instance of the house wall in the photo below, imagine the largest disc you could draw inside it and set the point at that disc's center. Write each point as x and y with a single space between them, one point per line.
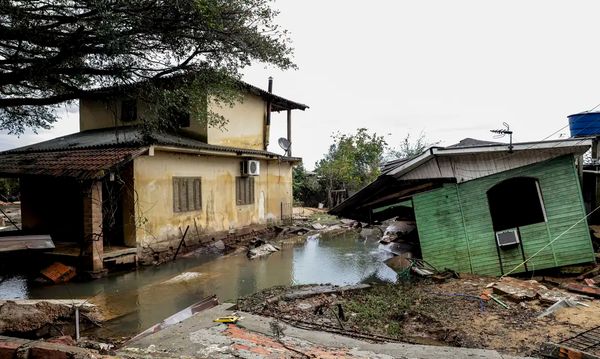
246 124
455 225
244 129
157 225
95 114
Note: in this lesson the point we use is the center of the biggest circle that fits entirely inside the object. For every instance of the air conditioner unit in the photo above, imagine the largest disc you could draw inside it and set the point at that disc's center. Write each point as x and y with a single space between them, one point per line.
250 168
508 237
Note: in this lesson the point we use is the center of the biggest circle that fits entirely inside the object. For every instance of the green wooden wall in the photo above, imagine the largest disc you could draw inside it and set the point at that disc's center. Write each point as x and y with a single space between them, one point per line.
455 226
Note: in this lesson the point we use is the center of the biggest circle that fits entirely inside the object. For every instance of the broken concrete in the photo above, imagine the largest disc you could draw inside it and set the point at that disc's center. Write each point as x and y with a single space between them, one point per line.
262 337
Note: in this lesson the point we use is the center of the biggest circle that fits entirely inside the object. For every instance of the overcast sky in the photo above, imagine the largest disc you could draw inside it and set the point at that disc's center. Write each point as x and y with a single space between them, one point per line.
452 69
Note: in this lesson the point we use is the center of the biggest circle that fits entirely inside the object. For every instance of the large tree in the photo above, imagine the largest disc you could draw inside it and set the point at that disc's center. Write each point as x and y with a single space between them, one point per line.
353 160
52 51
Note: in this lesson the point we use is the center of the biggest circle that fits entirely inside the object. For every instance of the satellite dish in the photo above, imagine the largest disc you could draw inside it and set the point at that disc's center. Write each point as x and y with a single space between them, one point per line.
284 143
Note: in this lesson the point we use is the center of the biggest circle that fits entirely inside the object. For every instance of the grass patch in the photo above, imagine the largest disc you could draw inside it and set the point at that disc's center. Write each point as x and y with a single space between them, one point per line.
381 309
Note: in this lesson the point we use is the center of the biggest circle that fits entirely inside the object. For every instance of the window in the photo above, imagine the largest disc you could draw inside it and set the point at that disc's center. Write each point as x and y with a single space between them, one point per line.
244 190
128 110
187 194
516 202
180 118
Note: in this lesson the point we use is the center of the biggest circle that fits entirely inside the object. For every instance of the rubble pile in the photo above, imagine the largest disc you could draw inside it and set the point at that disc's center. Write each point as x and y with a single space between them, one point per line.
510 315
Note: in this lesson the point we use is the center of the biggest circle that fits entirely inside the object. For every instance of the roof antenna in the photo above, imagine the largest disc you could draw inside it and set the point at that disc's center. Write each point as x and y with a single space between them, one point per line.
503 132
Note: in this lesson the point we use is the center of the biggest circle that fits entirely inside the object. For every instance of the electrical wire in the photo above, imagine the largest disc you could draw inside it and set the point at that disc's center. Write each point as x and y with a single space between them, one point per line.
550 243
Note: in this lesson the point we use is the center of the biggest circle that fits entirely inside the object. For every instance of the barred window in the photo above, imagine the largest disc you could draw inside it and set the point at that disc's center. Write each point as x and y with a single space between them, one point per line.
244 190
187 194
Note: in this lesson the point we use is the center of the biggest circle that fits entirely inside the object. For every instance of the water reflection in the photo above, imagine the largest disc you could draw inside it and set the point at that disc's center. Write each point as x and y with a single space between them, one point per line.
142 298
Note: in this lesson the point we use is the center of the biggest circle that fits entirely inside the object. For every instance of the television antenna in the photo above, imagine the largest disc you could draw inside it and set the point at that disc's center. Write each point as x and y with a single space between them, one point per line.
285 144
503 132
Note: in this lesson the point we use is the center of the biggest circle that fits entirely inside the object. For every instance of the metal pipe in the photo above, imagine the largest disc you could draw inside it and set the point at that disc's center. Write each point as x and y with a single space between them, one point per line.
77 324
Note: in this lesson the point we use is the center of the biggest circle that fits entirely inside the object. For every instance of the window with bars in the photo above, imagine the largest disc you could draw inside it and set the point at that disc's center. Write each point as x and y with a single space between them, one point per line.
187 194
244 190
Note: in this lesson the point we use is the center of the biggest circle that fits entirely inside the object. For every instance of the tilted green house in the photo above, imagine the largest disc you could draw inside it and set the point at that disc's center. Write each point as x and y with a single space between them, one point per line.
487 208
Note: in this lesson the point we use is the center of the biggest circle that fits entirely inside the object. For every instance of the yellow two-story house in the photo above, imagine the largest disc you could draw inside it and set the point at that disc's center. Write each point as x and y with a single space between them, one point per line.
112 193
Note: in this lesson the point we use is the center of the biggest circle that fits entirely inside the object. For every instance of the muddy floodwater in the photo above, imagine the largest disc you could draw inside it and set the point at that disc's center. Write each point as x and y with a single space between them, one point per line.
144 297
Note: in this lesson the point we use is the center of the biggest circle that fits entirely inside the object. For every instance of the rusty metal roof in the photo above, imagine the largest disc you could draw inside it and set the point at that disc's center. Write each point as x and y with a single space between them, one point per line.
79 163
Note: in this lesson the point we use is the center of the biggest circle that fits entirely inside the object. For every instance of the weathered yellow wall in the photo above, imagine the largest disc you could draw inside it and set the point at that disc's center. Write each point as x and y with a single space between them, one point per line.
94 114
158 225
245 127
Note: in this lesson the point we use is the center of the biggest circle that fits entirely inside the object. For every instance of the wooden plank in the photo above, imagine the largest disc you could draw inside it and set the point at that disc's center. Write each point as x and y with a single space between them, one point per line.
26 242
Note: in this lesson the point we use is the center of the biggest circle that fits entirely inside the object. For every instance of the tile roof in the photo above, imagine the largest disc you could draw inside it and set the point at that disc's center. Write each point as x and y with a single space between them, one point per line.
78 163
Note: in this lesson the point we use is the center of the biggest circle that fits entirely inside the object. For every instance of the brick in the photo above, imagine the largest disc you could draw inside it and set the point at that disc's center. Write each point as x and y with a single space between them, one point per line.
9 346
45 350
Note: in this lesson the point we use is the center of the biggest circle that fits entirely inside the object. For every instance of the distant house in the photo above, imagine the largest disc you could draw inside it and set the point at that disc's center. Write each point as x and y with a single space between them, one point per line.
113 193
485 208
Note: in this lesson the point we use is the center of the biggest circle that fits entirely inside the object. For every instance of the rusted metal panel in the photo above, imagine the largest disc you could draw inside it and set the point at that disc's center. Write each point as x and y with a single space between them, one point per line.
25 242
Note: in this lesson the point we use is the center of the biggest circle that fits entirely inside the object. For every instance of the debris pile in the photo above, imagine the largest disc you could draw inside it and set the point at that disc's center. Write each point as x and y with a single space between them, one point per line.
510 315
43 318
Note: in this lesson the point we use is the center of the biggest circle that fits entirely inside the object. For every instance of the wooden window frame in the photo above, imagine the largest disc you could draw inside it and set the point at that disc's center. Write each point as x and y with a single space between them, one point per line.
187 194
245 189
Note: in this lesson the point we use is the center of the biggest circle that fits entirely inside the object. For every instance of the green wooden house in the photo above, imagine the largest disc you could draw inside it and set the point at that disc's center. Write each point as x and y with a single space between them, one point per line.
487 208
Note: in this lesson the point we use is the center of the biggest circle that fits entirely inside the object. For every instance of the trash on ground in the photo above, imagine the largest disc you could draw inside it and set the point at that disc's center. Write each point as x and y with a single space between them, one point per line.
262 250
563 303
58 273
228 319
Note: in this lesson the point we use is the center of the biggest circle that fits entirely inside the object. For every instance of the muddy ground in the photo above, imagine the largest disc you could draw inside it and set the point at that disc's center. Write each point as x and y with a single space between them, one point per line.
40 319
425 312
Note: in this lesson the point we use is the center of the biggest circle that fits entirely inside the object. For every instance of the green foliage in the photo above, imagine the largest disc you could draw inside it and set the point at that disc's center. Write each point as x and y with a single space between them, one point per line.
379 305
353 160
9 188
53 51
306 187
409 148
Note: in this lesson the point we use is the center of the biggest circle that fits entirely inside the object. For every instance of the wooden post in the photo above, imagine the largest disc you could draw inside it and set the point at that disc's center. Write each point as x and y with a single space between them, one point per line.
596 197
289 131
92 228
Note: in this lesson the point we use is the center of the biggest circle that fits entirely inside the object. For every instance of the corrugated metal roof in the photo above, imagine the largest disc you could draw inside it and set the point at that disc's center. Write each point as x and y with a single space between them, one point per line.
437 165
278 103
88 154
78 163
472 142
130 137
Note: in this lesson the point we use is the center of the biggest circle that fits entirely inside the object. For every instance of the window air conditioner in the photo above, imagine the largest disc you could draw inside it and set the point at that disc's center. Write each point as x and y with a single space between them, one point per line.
250 168
508 237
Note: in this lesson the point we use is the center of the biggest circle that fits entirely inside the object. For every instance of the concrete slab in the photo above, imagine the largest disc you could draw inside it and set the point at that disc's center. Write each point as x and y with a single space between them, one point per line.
254 337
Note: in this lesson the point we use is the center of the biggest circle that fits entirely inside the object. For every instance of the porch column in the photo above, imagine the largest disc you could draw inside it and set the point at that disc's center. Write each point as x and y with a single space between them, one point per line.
92 228
289 130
